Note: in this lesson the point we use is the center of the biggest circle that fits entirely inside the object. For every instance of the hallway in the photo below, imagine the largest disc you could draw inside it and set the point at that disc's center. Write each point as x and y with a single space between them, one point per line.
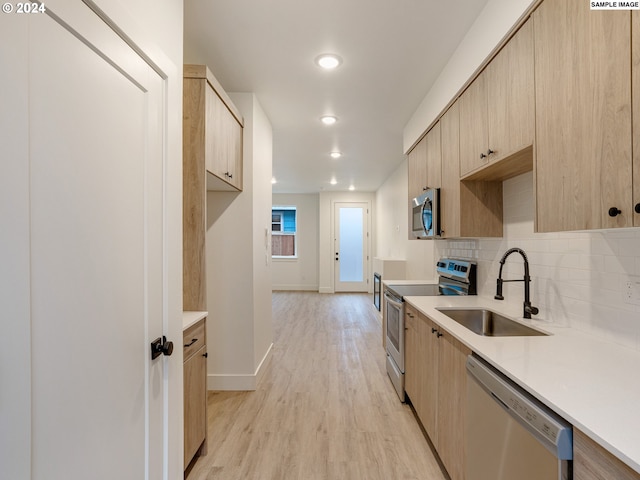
324 409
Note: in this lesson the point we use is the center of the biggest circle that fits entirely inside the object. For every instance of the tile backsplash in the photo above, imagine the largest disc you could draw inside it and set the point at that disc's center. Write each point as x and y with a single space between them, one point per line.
579 279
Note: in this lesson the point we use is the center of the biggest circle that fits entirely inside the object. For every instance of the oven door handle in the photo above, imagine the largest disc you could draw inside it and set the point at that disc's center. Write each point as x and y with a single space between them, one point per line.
391 300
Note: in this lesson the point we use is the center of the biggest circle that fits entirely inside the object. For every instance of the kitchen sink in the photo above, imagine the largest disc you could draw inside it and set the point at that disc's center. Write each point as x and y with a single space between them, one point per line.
489 324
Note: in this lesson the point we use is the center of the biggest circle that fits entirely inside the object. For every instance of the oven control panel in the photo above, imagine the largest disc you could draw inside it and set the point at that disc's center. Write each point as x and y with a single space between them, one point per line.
455 268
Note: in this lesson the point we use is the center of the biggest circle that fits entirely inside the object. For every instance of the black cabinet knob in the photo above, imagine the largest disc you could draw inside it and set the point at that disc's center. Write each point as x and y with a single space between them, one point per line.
439 334
637 208
205 355
434 330
614 212
482 155
489 152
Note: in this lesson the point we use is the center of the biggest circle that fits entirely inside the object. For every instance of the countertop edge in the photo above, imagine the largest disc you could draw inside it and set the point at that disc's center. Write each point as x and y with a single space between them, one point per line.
190 318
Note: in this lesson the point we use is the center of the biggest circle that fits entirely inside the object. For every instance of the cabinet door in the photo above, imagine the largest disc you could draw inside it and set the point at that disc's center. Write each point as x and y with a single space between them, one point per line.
473 122
215 146
411 345
452 395
450 193
592 462
635 72
233 135
510 100
428 382
434 157
417 166
195 403
583 116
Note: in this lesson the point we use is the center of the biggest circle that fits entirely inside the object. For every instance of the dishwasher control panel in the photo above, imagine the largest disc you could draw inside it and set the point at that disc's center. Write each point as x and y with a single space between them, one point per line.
553 431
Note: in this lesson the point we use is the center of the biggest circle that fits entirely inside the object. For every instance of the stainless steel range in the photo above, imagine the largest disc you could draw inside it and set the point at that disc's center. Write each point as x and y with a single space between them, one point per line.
456 277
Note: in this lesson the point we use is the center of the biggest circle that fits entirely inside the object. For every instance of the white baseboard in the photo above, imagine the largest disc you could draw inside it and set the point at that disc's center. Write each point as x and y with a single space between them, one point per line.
238 382
295 288
326 290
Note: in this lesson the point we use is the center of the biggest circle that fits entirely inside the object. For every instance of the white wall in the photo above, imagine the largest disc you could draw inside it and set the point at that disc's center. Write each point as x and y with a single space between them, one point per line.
492 25
300 273
392 237
326 241
579 279
239 330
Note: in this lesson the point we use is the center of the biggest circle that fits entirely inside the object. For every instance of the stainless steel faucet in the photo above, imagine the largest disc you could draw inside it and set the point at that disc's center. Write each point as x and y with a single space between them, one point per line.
528 308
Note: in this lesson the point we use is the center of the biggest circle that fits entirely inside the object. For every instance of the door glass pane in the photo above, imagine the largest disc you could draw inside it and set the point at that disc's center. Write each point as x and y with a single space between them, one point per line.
351 244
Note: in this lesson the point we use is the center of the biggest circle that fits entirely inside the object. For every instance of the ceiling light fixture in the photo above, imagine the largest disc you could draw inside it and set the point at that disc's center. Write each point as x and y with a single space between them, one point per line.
273 180
333 181
328 61
336 154
328 119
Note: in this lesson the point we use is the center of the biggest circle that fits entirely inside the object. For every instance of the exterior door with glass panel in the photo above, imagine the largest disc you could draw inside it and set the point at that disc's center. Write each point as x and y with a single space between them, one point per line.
350 247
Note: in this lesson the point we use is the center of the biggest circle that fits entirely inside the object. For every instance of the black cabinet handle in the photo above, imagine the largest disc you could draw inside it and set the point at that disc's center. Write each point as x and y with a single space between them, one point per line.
637 208
191 343
482 155
614 212
205 355
489 152
434 330
439 334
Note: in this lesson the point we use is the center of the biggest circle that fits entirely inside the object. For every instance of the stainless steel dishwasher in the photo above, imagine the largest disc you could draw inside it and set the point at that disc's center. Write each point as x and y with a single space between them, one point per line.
511 435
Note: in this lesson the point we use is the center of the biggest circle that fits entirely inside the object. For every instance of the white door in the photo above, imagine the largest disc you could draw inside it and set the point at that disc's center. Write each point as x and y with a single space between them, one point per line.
97 238
351 240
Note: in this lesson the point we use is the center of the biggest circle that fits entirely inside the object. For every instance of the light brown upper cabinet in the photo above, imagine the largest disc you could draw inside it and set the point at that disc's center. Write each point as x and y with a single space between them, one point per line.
417 167
583 117
635 79
497 109
425 164
213 129
468 208
424 167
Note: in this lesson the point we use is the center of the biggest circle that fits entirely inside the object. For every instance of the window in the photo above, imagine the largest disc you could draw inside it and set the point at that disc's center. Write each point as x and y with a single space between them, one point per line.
283 231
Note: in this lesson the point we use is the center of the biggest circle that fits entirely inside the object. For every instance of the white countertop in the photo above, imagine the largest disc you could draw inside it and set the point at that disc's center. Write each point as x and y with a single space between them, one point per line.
594 384
189 318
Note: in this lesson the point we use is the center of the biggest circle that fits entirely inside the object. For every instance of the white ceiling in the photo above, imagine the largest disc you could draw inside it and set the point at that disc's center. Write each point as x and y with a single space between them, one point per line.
392 50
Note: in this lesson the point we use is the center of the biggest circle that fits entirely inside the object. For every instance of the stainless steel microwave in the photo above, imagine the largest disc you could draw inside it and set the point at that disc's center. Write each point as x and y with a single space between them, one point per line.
425 216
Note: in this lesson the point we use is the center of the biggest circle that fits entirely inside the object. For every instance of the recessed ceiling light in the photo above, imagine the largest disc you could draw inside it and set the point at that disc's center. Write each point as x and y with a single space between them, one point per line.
273 180
328 119
351 187
328 61
333 181
336 154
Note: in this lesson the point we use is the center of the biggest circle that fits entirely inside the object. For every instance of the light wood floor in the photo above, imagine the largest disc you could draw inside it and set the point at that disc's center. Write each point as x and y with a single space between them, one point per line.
325 408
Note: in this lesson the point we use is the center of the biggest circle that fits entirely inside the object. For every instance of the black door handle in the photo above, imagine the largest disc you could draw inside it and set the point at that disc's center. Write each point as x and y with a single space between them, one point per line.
160 346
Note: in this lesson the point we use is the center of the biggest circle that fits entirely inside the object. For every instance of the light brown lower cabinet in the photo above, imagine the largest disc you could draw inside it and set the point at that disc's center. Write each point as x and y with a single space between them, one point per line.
195 391
592 462
436 383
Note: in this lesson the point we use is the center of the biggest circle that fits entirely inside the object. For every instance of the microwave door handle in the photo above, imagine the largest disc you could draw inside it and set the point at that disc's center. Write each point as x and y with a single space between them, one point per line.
424 226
